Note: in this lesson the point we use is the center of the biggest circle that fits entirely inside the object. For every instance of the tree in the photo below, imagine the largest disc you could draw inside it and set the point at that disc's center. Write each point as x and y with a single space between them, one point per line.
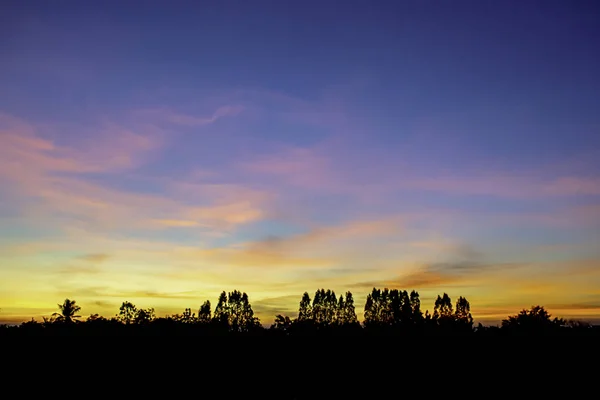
462 315
349 310
415 305
243 317
188 317
378 309
534 320
221 315
68 312
318 307
282 323
235 312
143 316
373 308
325 307
340 317
305 310
442 310
127 312
204 313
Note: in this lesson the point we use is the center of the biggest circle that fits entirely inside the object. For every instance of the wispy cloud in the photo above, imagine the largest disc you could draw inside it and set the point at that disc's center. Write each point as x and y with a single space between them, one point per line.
35 166
27 156
178 118
95 257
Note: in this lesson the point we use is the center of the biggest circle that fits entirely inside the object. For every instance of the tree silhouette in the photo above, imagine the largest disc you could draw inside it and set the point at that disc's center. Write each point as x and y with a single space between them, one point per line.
127 312
68 311
235 313
415 305
282 323
324 307
535 320
143 316
349 310
305 310
221 316
204 313
443 308
392 308
462 314
374 310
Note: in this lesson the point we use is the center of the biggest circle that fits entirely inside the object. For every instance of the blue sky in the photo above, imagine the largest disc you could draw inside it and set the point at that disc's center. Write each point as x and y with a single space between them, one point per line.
285 146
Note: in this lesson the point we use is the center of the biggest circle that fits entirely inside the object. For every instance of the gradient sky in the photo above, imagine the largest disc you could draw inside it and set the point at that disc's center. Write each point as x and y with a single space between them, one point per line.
161 152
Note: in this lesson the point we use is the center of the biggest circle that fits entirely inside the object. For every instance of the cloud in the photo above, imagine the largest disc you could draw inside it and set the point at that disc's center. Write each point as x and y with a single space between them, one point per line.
177 118
95 257
440 276
79 269
317 237
28 158
177 223
331 166
295 166
506 186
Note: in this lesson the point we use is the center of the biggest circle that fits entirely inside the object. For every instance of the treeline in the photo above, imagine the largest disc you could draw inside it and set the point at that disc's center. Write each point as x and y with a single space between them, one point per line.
386 312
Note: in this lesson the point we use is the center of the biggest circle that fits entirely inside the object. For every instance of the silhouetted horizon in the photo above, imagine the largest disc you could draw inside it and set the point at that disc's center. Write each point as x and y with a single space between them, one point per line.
386 312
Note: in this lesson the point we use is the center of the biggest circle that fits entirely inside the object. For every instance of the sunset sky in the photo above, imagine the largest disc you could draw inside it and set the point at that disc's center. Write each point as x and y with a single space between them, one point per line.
161 154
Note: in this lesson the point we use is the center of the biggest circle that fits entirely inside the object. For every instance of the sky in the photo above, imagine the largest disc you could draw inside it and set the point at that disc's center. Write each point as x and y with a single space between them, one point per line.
162 152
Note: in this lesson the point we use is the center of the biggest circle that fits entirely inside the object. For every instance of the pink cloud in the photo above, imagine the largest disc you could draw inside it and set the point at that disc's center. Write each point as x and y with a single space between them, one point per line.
298 166
24 154
325 169
35 167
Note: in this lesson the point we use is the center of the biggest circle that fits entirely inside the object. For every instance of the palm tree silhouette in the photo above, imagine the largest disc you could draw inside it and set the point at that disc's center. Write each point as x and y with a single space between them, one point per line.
68 310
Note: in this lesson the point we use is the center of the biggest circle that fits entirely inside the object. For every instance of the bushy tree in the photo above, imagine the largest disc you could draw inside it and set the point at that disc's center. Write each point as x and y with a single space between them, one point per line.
534 320
127 312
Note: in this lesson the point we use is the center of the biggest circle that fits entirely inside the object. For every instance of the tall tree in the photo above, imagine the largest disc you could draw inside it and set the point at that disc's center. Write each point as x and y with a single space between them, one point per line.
247 321
325 307
340 317
443 308
305 309
415 305
235 312
221 315
462 314
204 313
330 307
378 308
68 311
318 307
349 310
